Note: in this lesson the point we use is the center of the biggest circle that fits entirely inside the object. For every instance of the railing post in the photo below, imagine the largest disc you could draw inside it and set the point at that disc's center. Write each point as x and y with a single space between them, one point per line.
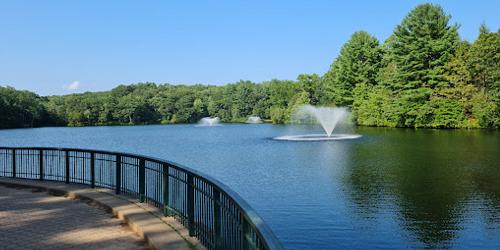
142 180
92 169
166 209
13 163
190 204
247 237
118 172
40 161
66 165
217 220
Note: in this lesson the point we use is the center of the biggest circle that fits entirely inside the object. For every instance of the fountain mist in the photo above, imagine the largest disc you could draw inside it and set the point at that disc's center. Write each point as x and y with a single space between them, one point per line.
327 117
254 119
209 121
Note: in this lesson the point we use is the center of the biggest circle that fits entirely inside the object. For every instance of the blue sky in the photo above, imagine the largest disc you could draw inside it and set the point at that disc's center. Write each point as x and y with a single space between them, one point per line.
58 47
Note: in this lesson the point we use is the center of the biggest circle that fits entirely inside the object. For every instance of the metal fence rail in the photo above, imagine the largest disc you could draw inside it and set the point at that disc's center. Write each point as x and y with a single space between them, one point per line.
211 211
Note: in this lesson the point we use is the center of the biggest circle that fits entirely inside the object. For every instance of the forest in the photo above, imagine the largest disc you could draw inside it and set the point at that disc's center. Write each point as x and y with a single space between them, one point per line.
423 76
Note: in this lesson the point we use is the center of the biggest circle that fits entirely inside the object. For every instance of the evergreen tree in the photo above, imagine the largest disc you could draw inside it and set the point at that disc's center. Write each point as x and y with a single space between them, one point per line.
358 63
460 89
414 66
484 63
484 66
421 46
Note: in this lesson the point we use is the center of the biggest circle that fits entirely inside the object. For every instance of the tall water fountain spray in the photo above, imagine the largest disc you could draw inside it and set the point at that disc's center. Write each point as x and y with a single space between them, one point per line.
209 121
327 117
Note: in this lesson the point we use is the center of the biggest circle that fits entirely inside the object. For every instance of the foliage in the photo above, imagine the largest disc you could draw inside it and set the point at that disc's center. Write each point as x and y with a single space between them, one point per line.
429 78
421 76
358 63
421 45
21 109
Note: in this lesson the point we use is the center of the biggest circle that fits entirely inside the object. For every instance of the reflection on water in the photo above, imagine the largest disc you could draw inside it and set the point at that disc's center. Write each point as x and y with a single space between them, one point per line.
390 189
436 179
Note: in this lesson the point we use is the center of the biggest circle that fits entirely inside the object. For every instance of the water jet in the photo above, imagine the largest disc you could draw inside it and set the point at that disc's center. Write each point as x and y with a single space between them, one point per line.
327 117
209 122
254 119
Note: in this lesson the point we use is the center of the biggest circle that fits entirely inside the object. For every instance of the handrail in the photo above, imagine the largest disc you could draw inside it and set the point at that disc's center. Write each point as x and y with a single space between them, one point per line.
212 212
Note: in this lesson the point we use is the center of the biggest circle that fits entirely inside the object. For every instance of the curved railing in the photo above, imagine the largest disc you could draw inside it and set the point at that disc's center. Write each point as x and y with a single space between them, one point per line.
211 211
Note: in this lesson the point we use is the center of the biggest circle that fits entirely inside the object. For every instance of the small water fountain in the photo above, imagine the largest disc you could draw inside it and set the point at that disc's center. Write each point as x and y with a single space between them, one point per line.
254 119
327 117
209 122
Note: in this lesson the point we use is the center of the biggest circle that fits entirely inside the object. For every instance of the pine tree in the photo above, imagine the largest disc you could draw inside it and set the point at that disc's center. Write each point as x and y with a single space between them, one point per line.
421 45
414 67
484 66
484 63
358 63
460 89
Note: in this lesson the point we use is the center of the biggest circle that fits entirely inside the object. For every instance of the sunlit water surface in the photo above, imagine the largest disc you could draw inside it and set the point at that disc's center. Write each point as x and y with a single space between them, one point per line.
391 188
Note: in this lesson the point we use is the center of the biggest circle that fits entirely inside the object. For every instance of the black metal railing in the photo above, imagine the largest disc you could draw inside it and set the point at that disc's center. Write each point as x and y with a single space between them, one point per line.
211 211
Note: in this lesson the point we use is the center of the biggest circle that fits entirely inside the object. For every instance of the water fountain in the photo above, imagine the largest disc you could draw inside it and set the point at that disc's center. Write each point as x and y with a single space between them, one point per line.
327 117
254 119
209 122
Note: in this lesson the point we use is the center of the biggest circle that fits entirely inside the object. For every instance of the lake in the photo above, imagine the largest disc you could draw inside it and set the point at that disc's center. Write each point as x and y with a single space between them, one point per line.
391 188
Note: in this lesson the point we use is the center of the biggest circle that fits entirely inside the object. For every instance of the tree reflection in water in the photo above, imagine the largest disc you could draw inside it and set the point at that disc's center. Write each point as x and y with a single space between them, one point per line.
435 179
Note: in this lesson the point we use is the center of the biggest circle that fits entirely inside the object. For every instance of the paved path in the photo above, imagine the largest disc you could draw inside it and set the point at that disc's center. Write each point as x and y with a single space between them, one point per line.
36 220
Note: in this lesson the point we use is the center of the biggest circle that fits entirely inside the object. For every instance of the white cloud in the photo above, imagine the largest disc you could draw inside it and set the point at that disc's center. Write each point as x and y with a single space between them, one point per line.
72 86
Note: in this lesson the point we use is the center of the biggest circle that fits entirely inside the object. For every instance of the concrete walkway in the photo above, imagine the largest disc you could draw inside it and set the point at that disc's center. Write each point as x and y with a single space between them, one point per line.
32 219
35 220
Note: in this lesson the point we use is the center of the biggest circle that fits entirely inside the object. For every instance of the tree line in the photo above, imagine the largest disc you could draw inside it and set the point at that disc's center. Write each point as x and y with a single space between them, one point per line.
423 75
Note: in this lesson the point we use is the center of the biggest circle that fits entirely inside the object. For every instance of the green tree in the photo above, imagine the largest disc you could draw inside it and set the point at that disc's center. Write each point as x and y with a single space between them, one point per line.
312 85
484 62
134 109
358 63
414 66
278 115
421 46
484 66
